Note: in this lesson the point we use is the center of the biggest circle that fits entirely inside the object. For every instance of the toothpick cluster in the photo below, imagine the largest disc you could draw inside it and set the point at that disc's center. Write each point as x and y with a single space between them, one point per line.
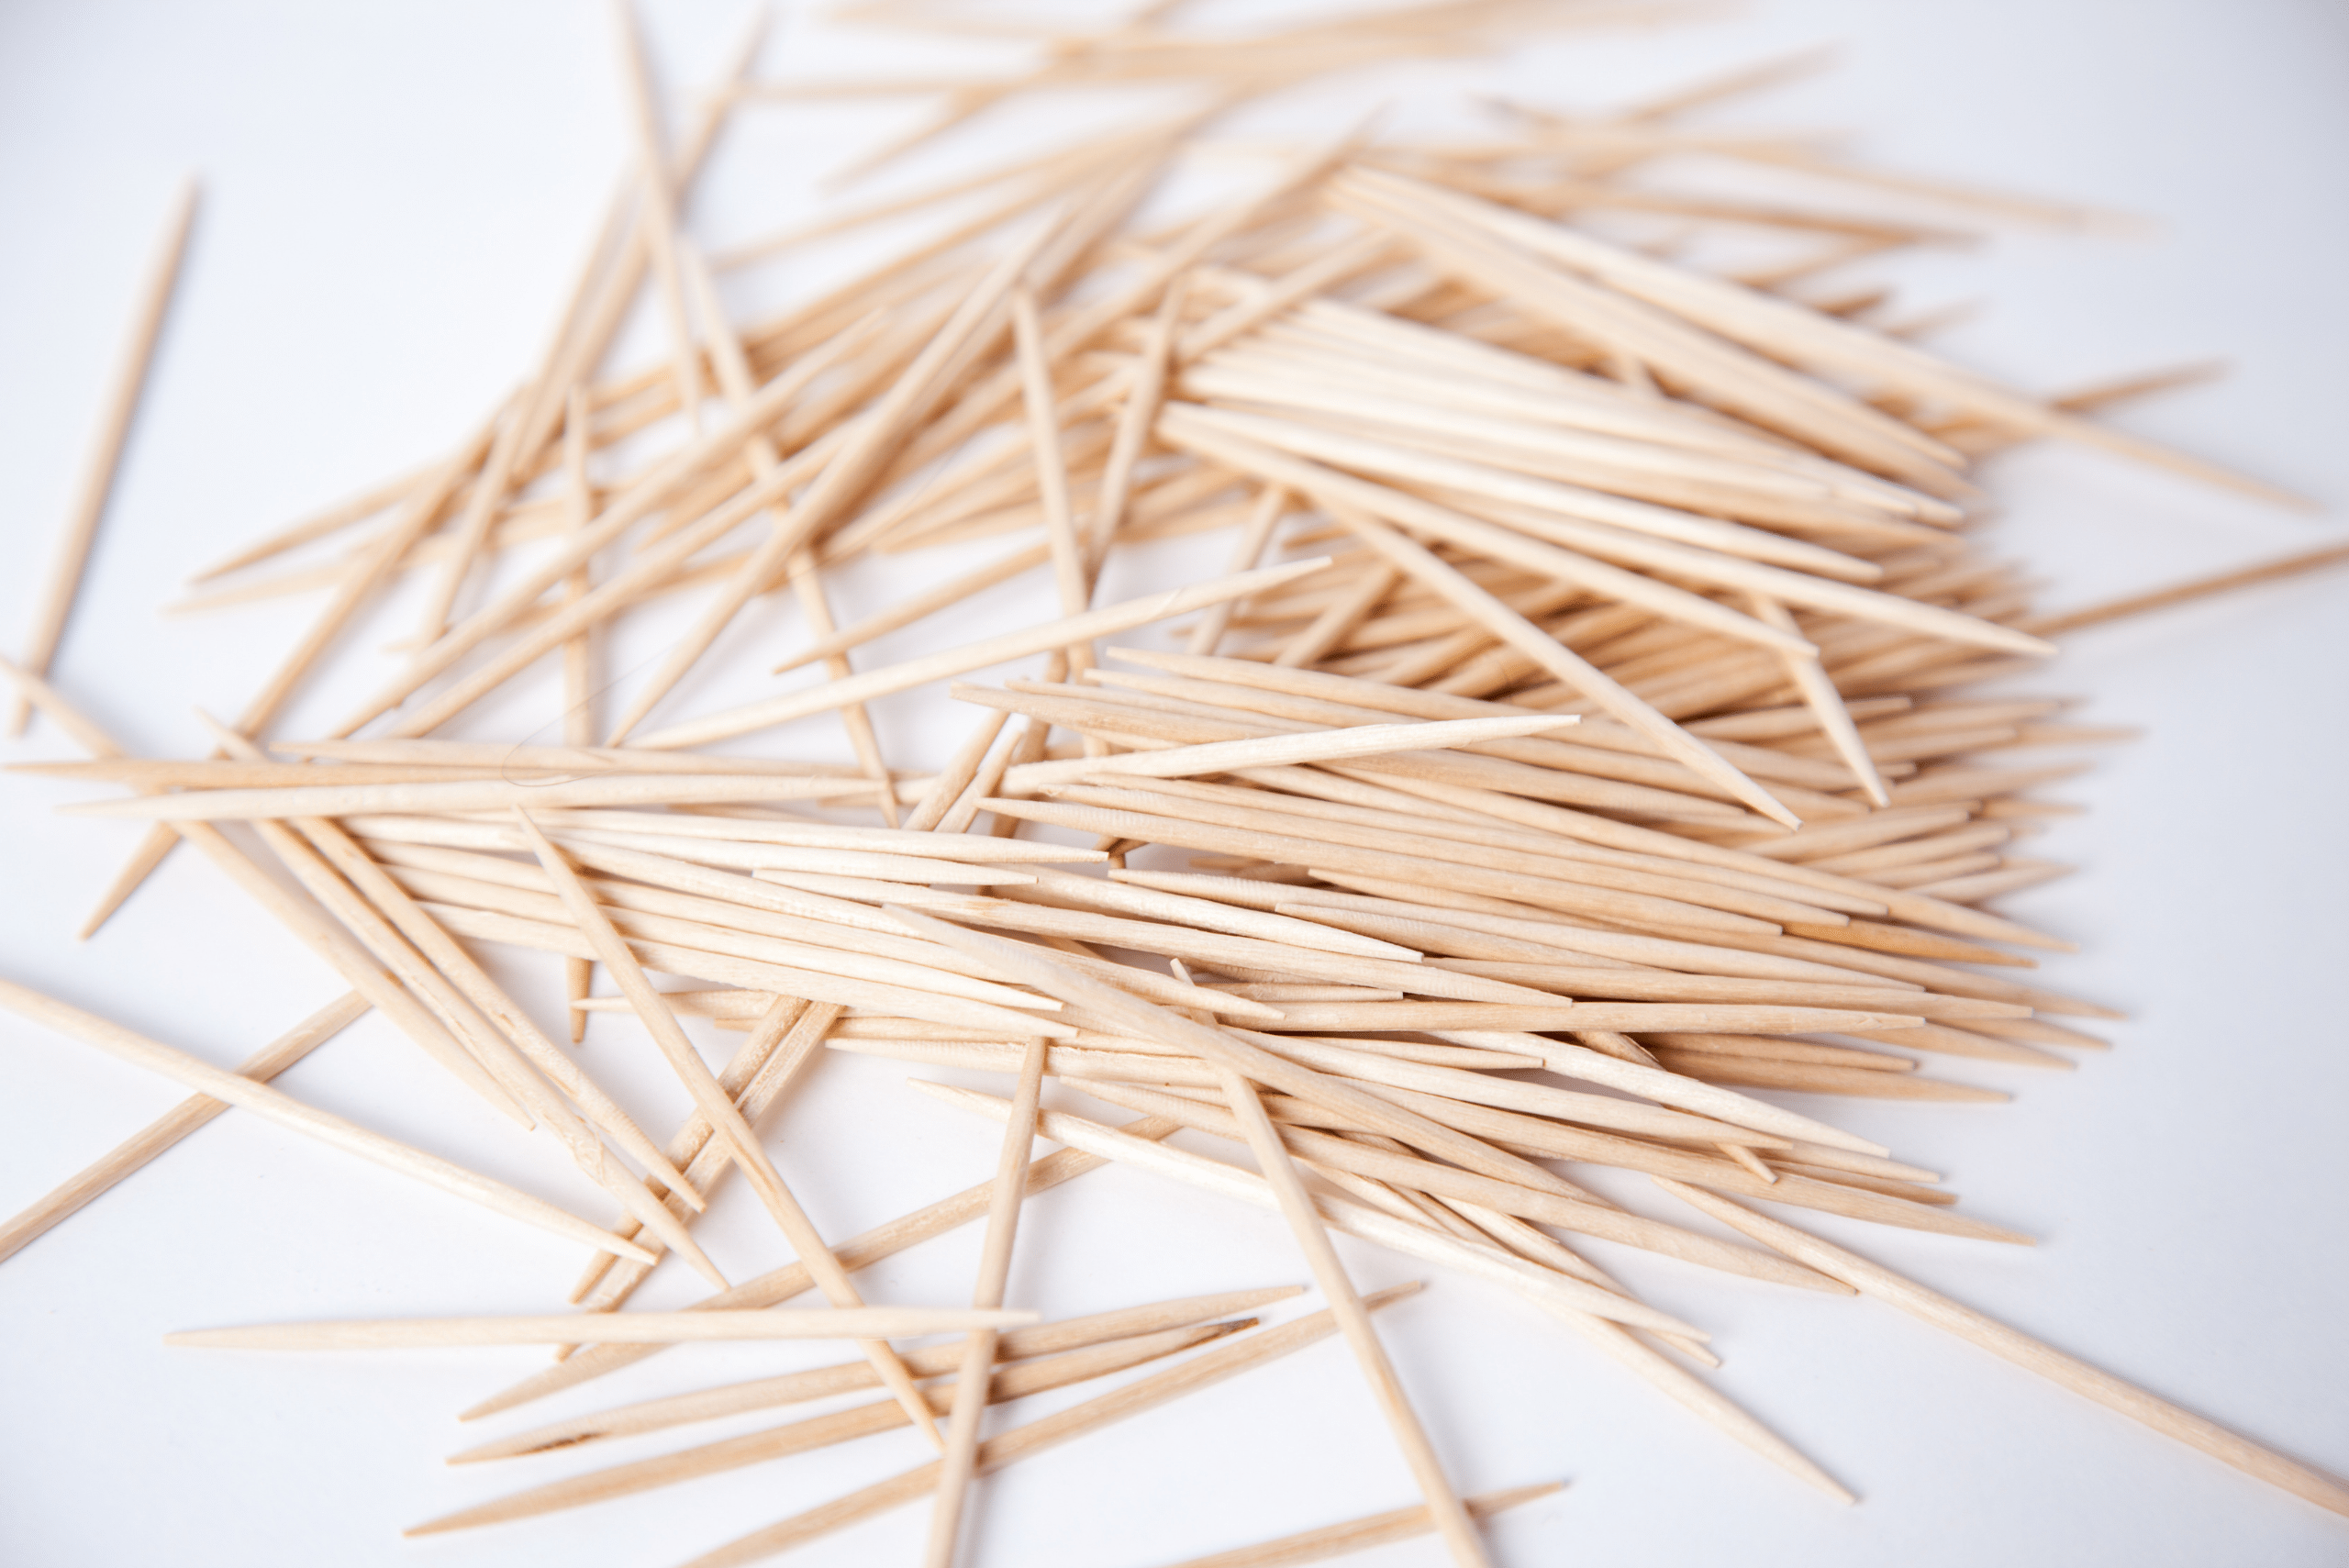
1579 742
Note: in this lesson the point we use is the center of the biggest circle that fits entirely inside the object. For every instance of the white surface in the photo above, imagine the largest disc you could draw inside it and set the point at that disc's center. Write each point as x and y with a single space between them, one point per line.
395 197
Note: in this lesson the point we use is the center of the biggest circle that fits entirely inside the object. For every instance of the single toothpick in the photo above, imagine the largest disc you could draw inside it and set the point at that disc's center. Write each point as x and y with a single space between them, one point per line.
48 1212
659 221
1199 1371
768 1393
711 1099
979 1353
106 452
276 1105
1870 1279
578 656
1358 1535
634 1328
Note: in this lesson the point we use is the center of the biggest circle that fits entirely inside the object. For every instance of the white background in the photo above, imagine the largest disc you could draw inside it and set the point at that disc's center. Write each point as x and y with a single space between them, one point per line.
395 195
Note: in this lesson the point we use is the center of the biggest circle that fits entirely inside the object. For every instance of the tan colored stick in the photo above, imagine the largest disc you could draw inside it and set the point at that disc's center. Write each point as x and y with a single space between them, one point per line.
1272 501
1297 1206
596 319
1391 1166
847 1377
49 1212
498 758
1199 1371
781 1285
1607 1337
1667 1089
905 611
469 794
723 1115
752 826
473 529
658 221
1032 1376
971 656
1140 894
1800 334
971 1386
1069 553
335 519
305 919
106 452
2187 593
620 1328
1360 1535
1413 1241
286 1111
1870 1279
781 1040
1314 746
659 486
973 325
578 656
1819 695
503 1013
1134 423
359 582
1545 650
786 542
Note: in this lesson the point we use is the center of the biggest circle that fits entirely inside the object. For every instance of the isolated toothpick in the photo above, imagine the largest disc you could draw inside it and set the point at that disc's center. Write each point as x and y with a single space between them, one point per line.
106 452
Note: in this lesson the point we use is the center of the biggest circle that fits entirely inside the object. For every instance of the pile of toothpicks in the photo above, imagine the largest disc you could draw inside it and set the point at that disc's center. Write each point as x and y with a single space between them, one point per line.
1580 744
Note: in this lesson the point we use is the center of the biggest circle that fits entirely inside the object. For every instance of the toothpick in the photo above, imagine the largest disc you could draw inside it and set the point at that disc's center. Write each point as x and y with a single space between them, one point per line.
763 1394
974 656
276 1105
994 1269
658 224
106 452
781 1285
1372 1530
471 795
634 1328
2187 593
1272 501
711 1099
1199 1371
1032 1376
1870 1279
134 1154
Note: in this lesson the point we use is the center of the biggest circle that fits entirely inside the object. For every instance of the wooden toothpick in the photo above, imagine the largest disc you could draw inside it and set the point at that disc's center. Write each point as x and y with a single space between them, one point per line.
1870 1279
106 452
